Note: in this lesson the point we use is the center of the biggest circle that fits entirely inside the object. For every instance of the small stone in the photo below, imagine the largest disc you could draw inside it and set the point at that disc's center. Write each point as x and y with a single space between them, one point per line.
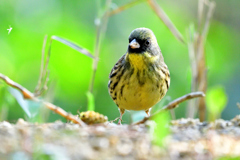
220 124
6 124
100 129
21 122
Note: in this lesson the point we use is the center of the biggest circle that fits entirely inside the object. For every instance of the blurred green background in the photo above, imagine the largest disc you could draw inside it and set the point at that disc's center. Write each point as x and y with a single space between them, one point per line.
70 71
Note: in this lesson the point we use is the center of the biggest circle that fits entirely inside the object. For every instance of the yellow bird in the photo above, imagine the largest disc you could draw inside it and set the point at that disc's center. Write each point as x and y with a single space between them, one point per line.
140 78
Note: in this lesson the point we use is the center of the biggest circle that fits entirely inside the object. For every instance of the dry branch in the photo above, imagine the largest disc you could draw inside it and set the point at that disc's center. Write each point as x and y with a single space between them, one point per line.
179 100
28 95
173 105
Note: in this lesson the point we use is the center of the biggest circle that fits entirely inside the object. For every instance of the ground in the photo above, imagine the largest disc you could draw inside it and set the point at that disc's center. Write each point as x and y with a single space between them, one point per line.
188 139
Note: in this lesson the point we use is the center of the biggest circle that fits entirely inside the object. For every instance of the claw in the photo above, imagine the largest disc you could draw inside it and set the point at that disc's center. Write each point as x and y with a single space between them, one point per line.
119 121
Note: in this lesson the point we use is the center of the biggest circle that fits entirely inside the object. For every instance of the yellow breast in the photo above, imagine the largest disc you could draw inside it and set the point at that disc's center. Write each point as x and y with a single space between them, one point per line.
136 60
139 88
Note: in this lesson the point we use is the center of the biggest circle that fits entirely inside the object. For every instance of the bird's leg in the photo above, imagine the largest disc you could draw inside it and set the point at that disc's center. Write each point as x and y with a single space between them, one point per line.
148 112
121 114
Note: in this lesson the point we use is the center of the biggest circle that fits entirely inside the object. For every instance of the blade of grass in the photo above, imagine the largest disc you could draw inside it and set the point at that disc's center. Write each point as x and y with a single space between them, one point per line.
73 45
163 16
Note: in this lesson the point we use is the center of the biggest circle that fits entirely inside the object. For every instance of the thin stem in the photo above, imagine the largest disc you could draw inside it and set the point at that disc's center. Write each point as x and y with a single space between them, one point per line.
209 16
191 53
101 28
41 75
163 16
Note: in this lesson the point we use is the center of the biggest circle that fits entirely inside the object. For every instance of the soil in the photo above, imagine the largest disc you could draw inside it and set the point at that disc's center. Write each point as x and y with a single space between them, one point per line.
189 139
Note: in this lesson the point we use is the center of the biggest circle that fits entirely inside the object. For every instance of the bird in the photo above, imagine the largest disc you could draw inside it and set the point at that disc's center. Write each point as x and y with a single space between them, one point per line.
140 78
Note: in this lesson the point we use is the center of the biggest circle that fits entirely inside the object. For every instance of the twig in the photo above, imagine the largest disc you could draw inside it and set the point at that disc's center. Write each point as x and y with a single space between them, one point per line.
163 16
28 95
179 100
173 105
114 120
124 7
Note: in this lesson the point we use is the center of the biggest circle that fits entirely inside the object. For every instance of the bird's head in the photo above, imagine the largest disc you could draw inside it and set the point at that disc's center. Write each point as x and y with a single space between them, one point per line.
143 48
143 40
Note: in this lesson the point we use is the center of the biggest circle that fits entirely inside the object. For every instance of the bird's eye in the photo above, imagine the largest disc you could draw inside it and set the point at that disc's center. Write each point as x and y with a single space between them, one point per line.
129 40
147 42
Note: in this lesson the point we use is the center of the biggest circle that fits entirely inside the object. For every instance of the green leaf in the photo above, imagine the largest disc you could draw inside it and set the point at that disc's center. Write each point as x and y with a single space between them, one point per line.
31 108
216 99
73 45
229 157
91 105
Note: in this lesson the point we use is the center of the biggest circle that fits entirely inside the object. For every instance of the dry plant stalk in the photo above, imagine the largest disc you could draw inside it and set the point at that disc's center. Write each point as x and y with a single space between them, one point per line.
44 73
197 59
172 105
30 96
163 16
101 24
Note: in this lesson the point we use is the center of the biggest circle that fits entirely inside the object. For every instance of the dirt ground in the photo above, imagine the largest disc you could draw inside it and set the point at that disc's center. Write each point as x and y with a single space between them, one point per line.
189 139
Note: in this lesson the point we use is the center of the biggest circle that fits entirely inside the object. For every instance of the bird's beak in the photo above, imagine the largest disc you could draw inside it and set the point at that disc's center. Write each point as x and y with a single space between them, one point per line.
134 44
